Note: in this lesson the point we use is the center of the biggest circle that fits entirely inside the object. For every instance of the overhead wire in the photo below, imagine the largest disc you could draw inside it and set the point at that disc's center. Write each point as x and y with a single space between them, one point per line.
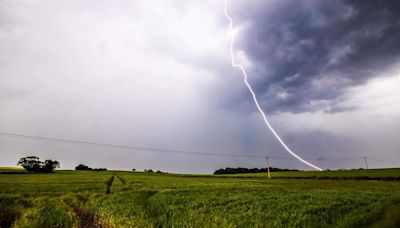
167 150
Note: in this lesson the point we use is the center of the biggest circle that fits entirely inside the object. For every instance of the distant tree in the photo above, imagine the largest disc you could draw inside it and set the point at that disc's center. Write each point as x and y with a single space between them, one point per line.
149 171
32 164
85 167
82 167
99 169
49 166
133 170
158 171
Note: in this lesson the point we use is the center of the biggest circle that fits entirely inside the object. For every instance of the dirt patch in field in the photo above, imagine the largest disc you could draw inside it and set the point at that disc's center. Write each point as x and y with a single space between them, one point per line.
390 217
86 218
11 208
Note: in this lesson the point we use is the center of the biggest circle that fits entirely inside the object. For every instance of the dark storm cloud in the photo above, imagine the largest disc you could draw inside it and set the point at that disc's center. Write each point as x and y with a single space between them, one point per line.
158 74
307 52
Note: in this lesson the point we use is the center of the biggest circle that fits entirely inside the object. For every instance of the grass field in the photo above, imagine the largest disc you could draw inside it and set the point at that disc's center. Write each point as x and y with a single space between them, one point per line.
357 174
290 199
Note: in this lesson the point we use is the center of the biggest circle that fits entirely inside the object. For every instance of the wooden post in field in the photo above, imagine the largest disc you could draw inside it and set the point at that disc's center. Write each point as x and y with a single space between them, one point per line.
269 173
366 162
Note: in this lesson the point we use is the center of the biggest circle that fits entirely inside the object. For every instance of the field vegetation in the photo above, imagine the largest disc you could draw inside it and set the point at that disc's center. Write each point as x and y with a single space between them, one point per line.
356 174
136 199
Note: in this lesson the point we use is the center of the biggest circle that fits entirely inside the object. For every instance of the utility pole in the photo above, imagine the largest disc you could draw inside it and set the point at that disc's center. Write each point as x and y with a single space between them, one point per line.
269 173
366 161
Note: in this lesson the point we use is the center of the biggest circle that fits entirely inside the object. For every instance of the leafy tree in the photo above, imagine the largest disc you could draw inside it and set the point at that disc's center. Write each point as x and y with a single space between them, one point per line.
32 164
82 167
49 166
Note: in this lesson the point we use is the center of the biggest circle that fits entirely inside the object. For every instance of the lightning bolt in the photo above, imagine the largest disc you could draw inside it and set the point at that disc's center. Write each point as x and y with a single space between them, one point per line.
242 69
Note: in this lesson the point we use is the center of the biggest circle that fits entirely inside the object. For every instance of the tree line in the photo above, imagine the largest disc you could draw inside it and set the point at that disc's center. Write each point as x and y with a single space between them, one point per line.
32 164
85 167
229 170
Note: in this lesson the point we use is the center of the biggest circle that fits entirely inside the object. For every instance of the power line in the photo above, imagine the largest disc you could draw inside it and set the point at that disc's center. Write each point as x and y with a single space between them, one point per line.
163 150
336 159
379 160
88 143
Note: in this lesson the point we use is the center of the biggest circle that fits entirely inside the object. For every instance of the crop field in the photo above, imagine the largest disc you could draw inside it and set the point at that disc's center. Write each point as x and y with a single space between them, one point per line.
135 199
358 174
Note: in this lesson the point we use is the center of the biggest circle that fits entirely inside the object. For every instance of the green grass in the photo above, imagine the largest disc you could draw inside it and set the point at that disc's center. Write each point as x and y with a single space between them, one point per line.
11 170
78 198
47 212
358 174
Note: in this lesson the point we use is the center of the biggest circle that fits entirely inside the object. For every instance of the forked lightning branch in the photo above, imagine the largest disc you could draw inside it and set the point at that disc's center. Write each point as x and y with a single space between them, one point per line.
243 70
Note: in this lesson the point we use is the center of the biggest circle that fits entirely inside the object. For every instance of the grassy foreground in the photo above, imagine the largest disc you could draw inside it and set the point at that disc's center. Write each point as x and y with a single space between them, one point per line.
79 199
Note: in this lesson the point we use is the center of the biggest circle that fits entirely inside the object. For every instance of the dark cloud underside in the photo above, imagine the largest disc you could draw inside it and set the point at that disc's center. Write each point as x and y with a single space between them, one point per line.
307 52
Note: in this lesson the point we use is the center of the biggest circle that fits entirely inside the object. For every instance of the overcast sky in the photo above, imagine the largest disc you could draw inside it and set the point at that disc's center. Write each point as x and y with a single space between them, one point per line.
158 74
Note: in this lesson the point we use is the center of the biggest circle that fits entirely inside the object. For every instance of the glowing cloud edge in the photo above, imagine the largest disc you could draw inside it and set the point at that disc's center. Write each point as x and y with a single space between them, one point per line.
242 69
